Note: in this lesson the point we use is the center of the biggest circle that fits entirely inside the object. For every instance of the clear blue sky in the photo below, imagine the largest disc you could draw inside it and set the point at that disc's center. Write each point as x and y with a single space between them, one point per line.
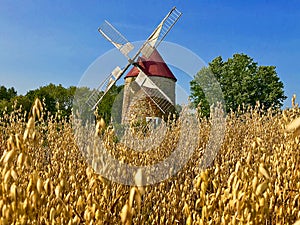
55 41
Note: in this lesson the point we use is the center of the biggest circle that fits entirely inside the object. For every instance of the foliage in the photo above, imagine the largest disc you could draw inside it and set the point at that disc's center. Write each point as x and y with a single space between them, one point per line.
60 99
111 104
242 82
55 97
205 91
7 94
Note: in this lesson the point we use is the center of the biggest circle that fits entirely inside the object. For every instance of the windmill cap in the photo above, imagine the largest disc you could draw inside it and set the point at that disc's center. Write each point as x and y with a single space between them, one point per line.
152 66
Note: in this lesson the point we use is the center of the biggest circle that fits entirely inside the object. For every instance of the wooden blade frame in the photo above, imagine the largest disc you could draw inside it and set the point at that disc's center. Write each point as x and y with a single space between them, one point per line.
160 32
116 38
99 93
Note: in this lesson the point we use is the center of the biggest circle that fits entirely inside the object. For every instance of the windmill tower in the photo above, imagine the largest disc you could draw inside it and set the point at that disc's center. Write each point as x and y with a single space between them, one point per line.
138 103
149 89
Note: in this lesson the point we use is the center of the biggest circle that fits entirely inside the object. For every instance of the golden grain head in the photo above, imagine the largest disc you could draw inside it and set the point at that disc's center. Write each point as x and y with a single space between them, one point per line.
8 156
261 188
189 220
294 125
293 100
13 191
262 170
52 214
125 213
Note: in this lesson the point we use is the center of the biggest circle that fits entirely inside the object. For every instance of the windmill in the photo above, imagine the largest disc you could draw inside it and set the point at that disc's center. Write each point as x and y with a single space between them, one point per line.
138 80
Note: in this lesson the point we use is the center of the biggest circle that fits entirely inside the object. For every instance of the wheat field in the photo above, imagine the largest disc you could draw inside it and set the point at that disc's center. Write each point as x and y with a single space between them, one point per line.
254 179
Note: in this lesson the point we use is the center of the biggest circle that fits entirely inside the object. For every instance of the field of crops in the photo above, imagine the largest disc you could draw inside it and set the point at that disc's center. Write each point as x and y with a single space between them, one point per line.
255 178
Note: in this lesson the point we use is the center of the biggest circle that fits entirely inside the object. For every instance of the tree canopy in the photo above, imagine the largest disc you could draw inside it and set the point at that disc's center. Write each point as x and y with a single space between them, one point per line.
111 106
55 97
7 93
241 80
58 98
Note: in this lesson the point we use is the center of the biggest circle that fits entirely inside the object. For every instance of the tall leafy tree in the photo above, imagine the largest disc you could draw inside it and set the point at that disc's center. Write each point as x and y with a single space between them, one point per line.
6 98
110 100
55 97
7 93
242 82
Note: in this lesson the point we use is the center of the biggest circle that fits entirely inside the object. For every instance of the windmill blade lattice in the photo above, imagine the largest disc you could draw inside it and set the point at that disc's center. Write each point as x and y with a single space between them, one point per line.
157 96
160 32
99 93
116 38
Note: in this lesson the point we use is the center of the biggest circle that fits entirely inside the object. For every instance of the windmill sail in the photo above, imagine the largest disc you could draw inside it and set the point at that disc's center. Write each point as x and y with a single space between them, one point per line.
116 38
153 41
157 96
99 93
160 32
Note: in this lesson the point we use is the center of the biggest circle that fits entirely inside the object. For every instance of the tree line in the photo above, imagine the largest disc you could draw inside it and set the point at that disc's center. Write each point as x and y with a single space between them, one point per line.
56 98
241 81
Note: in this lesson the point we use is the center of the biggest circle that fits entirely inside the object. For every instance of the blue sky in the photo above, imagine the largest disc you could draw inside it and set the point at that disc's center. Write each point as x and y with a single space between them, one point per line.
55 41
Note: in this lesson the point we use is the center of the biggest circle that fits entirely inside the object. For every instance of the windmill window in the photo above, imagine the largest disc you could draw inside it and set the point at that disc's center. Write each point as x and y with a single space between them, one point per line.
155 121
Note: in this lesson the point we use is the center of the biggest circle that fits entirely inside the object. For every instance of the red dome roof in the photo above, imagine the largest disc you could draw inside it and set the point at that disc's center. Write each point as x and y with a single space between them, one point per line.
152 66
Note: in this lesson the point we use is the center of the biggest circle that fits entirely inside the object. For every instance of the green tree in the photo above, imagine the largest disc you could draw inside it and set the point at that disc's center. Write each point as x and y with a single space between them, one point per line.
22 102
110 100
205 91
7 94
81 109
6 98
55 97
242 81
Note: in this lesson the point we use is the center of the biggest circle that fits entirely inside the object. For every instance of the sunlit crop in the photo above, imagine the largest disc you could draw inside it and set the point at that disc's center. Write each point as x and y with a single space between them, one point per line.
255 178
